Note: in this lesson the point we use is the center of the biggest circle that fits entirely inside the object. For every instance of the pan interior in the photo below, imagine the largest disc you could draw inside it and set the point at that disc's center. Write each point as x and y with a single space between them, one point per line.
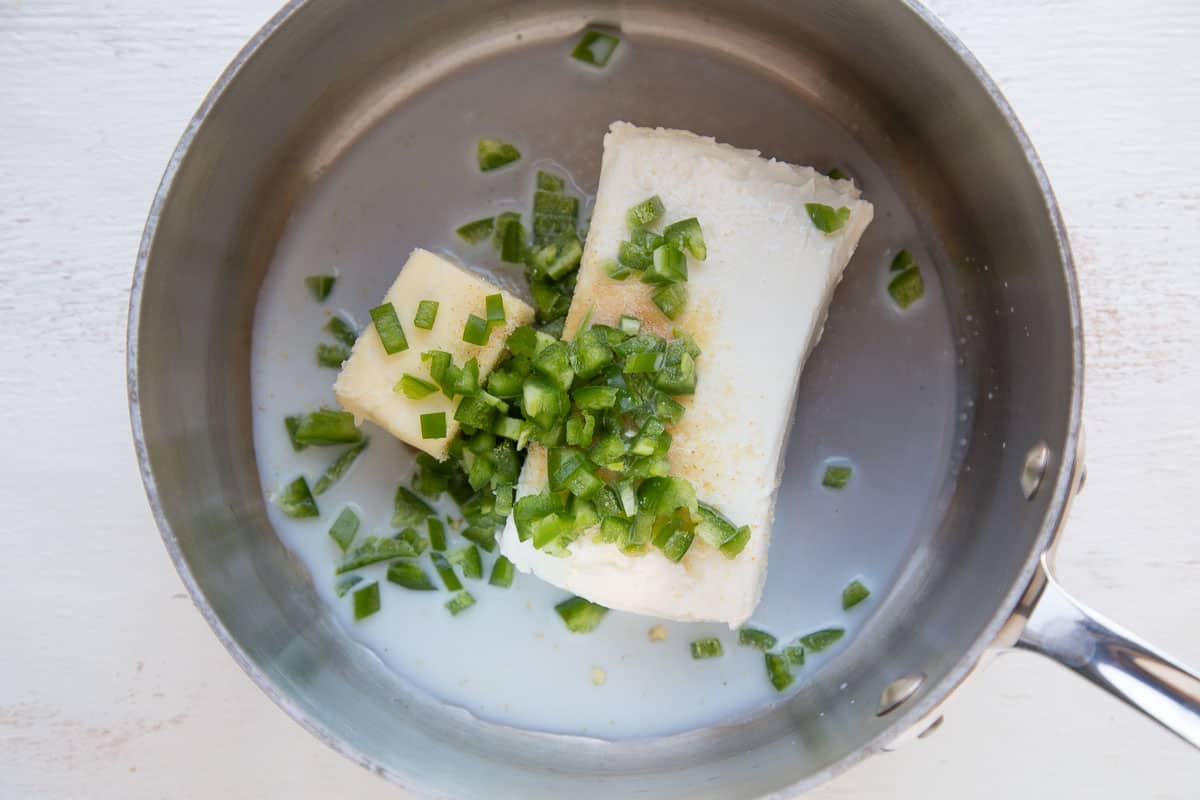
363 150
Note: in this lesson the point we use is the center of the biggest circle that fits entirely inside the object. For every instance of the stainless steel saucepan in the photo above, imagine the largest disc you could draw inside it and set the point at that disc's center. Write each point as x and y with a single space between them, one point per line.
971 408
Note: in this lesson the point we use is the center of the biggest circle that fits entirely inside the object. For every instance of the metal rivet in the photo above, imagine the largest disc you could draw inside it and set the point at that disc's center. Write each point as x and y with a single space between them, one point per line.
1036 461
933 726
898 691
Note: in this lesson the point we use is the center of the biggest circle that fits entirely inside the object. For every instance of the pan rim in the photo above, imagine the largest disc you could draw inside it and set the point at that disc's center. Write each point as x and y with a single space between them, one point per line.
932 698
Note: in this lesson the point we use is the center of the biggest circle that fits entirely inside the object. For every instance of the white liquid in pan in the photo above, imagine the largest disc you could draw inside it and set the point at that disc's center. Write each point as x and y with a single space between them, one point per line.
510 659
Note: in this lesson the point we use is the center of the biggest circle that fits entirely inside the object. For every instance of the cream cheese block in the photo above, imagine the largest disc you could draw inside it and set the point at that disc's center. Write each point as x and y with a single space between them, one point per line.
756 307
366 385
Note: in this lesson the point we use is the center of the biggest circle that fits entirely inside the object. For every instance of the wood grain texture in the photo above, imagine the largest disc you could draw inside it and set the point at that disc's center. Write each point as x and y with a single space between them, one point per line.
112 685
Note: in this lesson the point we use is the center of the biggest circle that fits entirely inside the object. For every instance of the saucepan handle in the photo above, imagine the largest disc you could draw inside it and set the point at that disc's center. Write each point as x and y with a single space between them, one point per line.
1083 641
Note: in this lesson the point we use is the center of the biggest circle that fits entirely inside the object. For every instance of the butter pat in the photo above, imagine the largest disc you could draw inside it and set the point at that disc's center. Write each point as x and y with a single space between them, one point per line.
756 307
366 385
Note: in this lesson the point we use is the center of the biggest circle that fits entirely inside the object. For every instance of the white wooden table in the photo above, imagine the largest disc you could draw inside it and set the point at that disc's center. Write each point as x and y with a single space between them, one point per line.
111 685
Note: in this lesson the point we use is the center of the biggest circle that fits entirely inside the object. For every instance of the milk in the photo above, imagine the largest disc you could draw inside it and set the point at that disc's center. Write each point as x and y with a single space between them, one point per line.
510 659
